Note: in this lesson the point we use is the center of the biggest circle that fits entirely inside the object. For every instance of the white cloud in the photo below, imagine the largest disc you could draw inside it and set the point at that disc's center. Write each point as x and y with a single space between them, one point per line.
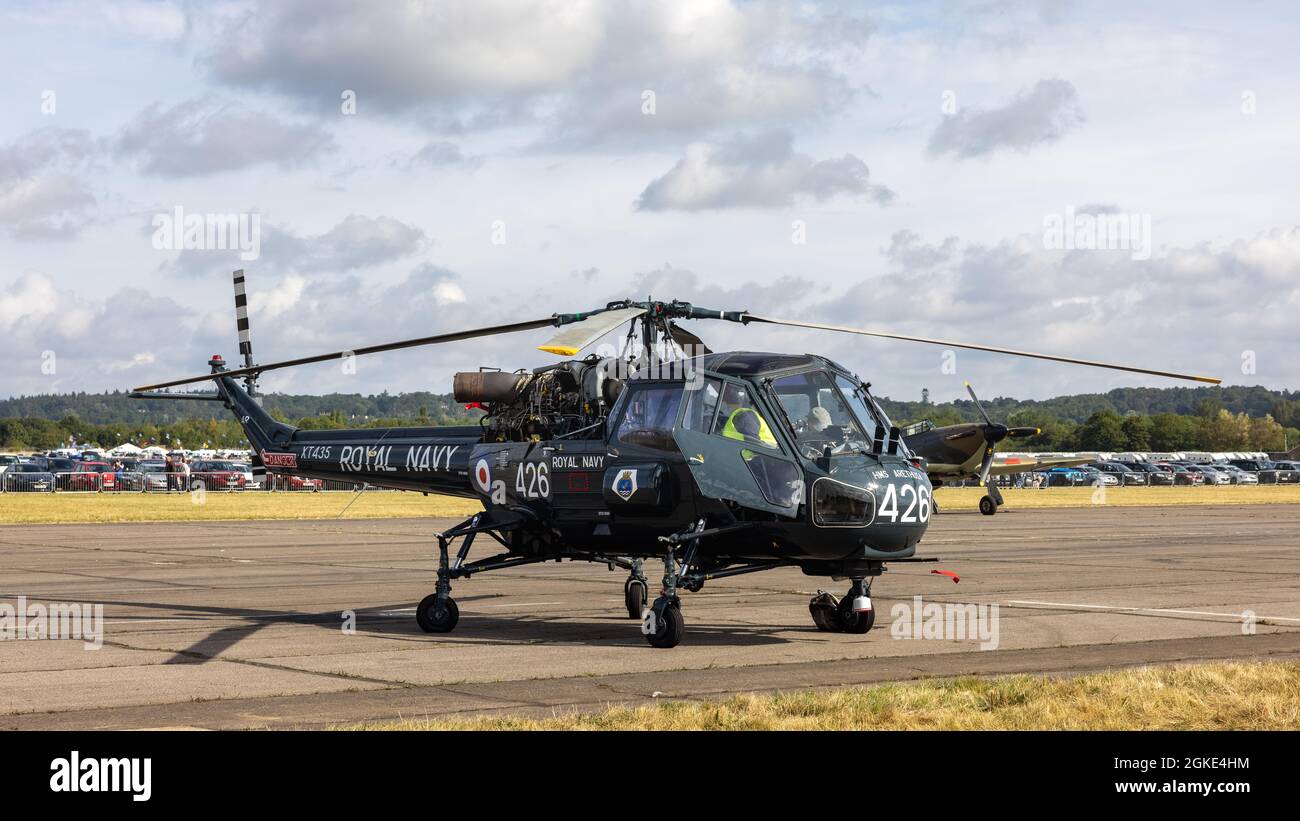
579 68
761 171
206 135
1033 117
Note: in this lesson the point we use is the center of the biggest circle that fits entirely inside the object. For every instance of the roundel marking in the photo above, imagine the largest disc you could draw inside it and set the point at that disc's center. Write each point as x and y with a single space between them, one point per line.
483 475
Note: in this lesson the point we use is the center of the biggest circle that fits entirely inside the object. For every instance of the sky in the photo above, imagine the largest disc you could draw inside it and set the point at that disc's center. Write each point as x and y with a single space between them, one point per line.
1111 181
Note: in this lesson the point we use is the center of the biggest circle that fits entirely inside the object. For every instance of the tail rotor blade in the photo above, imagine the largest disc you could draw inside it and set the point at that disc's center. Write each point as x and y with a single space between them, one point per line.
241 319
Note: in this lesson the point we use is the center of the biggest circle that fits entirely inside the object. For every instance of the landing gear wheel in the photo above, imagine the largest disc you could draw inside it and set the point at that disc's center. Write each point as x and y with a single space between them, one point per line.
635 595
853 622
669 626
434 616
825 612
987 506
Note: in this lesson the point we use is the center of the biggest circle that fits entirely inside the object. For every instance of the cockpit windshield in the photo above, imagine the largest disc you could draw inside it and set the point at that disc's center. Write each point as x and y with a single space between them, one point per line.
869 415
822 422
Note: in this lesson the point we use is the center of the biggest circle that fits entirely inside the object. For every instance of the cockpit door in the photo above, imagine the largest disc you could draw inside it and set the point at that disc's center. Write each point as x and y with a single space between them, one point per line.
727 439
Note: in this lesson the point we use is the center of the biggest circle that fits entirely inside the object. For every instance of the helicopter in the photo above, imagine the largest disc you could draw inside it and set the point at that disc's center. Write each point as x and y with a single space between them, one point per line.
715 464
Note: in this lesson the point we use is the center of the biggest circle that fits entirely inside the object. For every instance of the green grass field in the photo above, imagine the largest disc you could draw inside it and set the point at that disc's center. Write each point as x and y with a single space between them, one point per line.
1220 696
72 508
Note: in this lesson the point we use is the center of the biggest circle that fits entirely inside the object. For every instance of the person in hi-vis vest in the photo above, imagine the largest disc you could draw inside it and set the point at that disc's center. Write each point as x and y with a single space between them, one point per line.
746 425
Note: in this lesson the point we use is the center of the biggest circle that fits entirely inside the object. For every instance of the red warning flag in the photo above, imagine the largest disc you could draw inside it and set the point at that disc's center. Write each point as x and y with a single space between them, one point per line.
955 578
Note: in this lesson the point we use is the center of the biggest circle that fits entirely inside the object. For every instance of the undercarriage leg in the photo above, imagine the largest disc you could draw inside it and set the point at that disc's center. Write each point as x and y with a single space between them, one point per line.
664 625
852 614
636 590
990 503
437 612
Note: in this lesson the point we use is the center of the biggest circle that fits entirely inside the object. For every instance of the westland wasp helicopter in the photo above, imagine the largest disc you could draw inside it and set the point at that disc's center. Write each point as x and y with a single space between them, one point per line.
716 464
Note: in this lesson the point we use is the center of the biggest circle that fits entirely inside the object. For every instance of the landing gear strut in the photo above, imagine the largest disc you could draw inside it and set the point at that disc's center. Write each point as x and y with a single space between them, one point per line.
437 612
851 614
989 504
636 591
664 625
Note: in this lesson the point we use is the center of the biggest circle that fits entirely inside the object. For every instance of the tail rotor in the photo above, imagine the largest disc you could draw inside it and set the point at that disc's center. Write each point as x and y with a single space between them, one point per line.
245 334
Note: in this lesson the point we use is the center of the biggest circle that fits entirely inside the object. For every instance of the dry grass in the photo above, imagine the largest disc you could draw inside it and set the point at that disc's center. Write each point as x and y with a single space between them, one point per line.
72 508
1248 695
967 498
94 508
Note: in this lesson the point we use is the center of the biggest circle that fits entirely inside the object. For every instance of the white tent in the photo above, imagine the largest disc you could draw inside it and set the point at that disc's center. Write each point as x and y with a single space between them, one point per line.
125 449
154 450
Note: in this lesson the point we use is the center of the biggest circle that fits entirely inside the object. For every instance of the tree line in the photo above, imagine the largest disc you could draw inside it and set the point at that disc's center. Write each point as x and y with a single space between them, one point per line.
1156 419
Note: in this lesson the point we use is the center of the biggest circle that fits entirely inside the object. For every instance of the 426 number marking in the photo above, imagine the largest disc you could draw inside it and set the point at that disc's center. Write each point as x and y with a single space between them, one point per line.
533 481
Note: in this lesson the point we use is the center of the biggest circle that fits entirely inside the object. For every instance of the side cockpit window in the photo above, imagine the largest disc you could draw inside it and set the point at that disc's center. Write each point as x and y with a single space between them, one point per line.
738 418
649 414
727 409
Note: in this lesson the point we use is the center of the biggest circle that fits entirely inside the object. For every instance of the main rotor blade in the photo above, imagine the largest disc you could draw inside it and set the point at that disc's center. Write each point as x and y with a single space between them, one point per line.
974 347
580 334
437 339
978 406
684 337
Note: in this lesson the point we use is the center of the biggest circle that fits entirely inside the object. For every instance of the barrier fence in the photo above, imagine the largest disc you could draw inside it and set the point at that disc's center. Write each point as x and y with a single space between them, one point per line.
127 481
161 482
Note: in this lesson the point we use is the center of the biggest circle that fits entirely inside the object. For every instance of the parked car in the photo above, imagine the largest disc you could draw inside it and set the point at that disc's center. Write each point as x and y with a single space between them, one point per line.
1262 468
88 477
1288 473
153 477
1122 473
217 475
28 477
1212 476
1182 476
1062 477
1236 474
1092 476
1154 475
296 483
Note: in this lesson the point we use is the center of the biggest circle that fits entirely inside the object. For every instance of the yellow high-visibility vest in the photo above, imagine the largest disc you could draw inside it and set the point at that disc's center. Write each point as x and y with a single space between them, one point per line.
764 432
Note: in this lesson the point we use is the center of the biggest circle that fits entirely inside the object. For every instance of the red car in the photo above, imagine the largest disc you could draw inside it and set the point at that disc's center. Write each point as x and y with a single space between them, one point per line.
217 475
90 477
295 483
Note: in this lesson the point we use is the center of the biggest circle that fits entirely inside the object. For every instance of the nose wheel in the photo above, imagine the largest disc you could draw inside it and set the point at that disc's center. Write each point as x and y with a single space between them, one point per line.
663 625
851 614
436 616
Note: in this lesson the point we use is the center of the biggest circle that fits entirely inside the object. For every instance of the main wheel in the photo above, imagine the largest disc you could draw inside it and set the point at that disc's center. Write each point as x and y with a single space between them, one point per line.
669 627
854 622
435 616
987 506
635 595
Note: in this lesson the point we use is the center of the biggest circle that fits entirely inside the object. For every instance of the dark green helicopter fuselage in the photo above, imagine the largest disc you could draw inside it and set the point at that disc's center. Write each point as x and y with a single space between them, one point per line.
663 460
